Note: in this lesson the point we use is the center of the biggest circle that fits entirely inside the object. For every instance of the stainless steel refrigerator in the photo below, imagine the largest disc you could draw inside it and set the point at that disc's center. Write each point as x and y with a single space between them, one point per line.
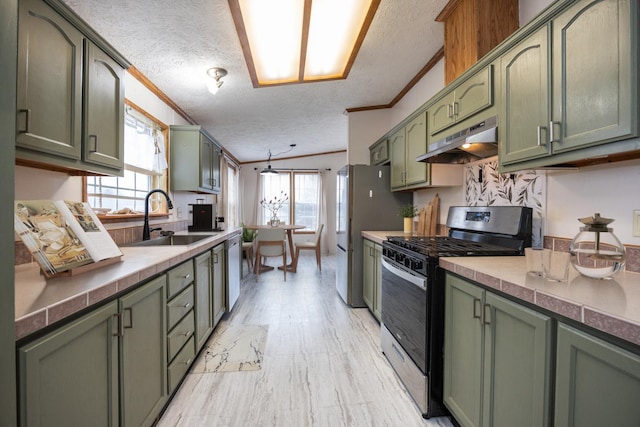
364 202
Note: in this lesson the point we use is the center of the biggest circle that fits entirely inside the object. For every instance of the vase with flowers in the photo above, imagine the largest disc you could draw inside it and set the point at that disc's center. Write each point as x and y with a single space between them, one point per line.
273 205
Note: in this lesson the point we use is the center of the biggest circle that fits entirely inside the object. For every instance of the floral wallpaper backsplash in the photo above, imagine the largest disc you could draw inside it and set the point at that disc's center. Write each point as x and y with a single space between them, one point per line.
485 186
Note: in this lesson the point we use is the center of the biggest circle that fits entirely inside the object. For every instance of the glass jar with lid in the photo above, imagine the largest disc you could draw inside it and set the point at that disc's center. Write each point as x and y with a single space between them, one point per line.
596 252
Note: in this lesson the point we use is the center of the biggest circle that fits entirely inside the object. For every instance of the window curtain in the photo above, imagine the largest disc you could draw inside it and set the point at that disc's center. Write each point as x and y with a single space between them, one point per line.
322 209
223 199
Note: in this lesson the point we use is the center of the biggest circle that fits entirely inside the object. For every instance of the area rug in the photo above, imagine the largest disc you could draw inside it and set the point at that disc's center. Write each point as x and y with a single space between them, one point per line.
238 348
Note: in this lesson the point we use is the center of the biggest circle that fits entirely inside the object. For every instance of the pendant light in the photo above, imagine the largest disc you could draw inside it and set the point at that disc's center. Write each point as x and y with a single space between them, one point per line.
268 170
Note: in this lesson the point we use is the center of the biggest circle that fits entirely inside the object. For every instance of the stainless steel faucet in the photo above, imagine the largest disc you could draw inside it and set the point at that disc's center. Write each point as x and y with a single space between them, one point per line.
146 231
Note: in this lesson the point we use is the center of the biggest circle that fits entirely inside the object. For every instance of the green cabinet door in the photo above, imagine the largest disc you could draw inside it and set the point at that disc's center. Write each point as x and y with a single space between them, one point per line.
203 297
368 273
597 383
195 160
416 145
219 281
70 377
593 80
397 148
103 140
143 354
463 337
525 100
474 94
440 115
517 354
377 287
49 81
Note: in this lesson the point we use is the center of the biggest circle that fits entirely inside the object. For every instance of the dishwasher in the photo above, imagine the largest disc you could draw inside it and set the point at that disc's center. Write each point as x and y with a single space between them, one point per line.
234 265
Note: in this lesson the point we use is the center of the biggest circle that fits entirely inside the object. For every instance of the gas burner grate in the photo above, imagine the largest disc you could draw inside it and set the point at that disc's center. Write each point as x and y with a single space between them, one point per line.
449 246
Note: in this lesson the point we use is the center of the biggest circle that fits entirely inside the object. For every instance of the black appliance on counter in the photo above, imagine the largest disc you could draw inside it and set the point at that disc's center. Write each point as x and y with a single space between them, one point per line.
413 289
202 218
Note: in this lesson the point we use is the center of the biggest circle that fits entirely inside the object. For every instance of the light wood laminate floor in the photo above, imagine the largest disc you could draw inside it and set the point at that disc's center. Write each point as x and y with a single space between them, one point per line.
322 363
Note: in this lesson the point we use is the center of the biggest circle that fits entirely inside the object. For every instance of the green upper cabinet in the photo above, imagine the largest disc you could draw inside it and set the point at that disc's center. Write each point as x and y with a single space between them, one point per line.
597 383
593 80
466 99
195 160
49 103
405 145
525 99
379 152
73 118
104 109
570 86
70 376
496 358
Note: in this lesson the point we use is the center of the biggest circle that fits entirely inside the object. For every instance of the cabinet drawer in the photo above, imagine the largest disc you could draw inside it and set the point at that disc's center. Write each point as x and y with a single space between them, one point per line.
179 306
179 277
181 364
180 335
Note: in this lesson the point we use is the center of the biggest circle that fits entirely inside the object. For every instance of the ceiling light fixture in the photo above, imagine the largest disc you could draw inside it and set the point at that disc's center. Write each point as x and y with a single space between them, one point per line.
297 41
268 170
215 81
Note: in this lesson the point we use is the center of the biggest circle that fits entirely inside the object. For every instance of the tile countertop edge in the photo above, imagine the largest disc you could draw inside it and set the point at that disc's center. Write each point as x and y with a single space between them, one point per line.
40 302
611 306
381 236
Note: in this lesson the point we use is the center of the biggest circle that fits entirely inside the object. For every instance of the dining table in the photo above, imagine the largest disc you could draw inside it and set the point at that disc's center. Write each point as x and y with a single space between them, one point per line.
288 228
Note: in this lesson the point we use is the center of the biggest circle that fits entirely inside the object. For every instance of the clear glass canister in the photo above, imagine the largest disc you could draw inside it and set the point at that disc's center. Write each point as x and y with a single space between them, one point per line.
596 252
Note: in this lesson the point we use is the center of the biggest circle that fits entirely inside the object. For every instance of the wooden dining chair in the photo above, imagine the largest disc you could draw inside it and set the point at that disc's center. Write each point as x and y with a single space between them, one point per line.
270 242
311 246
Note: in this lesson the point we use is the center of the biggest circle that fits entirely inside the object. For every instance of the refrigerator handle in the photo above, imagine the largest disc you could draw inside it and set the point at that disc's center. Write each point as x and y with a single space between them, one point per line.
350 236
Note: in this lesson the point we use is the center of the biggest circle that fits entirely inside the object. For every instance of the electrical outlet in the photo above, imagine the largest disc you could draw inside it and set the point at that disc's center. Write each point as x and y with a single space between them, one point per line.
636 223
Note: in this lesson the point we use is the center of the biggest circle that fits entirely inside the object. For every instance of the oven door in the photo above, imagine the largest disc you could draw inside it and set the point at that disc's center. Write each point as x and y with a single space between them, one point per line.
404 310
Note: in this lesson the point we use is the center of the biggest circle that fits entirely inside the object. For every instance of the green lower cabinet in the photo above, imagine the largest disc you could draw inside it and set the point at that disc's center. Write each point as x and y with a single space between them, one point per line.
143 354
219 281
497 359
597 383
204 297
517 374
70 376
372 277
463 335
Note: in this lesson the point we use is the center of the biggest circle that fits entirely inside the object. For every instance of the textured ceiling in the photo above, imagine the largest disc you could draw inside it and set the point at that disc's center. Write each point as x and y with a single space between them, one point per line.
173 43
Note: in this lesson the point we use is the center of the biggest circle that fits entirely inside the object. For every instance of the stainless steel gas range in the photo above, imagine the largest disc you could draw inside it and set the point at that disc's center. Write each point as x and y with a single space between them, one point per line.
412 330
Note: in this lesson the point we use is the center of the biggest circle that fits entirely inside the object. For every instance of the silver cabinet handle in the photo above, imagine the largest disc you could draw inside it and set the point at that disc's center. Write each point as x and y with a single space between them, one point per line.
455 108
487 314
27 112
188 334
188 362
95 143
130 325
186 276
552 137
539 130
119 331
476 303
187 305
450 111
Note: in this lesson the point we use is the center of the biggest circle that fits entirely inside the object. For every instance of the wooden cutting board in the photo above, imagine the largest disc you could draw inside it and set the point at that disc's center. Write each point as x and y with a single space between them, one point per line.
433 219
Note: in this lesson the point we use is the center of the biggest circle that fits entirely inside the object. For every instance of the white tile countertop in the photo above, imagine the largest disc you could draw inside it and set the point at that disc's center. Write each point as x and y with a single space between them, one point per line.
40 302
611 306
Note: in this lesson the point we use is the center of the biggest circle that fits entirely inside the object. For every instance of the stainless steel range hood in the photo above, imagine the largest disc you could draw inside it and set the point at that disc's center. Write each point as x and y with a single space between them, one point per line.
470 144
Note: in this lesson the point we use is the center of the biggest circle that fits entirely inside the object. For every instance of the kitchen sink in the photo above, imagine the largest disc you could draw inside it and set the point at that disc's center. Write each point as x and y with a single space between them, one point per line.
179 240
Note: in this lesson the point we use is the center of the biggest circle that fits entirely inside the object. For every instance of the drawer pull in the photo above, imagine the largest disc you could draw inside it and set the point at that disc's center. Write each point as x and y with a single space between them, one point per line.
188 334
188 362
187 276
187 305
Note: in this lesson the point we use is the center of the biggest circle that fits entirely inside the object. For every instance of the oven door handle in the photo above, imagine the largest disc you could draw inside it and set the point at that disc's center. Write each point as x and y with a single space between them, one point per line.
420 282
